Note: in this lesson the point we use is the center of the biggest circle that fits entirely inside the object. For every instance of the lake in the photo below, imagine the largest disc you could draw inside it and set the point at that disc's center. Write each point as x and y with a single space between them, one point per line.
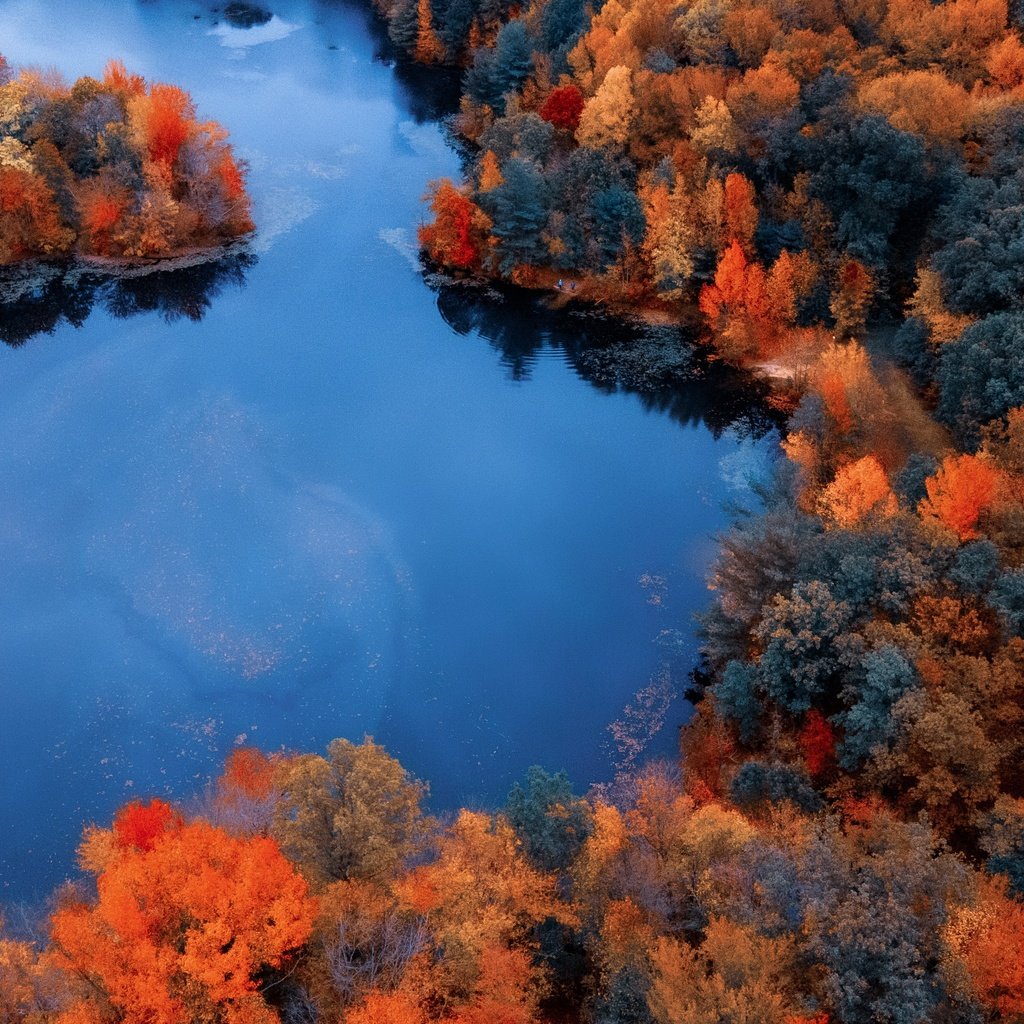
311 491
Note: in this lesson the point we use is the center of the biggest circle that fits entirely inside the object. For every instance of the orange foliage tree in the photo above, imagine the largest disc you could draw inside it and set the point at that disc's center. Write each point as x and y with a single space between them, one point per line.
858 490
102 206
490 172
737 303
429 49
1005 62
480 892
29 221
740 211
387 1008
231 178
249 771
187 921
458 235
924 102
117 78
164 119
243 798
990 940
844 378
784 287
505 991
962 489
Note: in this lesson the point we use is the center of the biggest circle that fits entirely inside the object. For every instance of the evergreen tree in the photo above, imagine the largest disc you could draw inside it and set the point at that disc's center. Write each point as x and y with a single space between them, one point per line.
519 210
454 25
404 25
618 218
552 822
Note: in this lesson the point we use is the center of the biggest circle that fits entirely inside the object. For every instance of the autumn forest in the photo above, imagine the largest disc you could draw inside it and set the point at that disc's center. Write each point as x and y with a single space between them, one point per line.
826 195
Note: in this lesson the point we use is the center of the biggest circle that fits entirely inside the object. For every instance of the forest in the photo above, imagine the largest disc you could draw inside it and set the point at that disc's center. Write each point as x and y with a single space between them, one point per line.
784 166
112 168
832 191
305 887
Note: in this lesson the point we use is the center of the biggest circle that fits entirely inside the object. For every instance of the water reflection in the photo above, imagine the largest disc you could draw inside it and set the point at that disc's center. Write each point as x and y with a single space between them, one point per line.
243 15
427 93
38 299
659 364
236 36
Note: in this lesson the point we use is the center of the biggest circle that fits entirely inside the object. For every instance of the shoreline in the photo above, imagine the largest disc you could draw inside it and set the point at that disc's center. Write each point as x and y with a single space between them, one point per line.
781 372
19 280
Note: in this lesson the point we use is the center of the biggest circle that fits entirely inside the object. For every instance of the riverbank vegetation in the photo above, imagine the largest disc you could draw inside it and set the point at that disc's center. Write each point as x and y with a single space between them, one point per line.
836 188
111 168
783 166
314 888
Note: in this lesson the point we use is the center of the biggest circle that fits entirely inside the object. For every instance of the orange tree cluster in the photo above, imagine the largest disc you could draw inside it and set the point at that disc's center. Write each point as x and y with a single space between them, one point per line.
800 171
313 888
846 840
649 148
111 168
865 641
865 646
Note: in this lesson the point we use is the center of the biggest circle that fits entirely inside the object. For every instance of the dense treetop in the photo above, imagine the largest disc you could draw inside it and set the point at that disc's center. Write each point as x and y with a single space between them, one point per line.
649 902
642 148
116 167
836 186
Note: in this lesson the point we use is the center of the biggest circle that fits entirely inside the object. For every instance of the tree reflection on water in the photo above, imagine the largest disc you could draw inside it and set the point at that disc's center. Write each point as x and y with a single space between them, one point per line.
37 299
661 364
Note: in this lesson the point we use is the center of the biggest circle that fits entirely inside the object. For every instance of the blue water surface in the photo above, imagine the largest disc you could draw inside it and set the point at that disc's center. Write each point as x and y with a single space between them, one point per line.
313 493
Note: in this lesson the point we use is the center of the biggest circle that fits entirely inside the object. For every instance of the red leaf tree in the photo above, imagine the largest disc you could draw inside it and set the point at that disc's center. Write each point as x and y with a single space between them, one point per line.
458 235
563 107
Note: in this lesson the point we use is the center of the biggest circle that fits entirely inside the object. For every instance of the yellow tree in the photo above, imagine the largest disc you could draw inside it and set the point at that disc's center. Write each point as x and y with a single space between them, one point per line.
858 490
929 304
714 130
735 975
671 237
480 892
608 115
29 987
354 814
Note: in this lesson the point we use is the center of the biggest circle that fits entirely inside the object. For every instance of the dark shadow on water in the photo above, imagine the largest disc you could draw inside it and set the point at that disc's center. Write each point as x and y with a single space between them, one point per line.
244 15
428 93
662 365
37 300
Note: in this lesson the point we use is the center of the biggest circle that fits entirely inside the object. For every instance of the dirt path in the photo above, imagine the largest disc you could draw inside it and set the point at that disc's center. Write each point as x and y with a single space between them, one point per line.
923 432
